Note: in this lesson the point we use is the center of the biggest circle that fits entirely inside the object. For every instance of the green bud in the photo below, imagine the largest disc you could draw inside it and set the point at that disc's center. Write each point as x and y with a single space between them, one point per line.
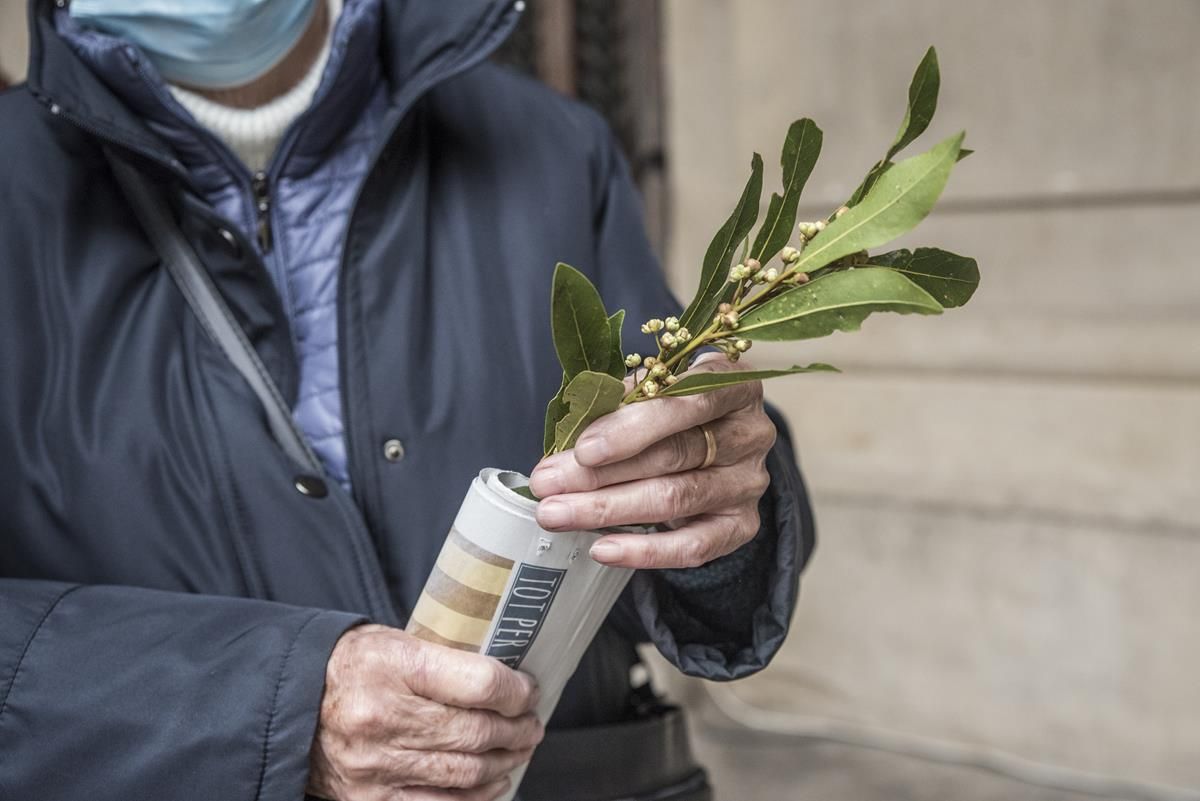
820 225
742 345
671 379
683 335
650 388
772 275
633 360
808 230
729 319
668 340
789 255
672 323
725 308
659 371
842 210
650 361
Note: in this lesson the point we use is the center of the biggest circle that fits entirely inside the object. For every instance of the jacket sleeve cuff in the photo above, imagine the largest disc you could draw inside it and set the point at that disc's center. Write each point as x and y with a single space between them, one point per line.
296 705
760 582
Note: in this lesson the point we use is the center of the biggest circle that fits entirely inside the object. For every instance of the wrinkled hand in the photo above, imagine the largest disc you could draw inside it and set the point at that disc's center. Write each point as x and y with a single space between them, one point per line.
406 720
640 464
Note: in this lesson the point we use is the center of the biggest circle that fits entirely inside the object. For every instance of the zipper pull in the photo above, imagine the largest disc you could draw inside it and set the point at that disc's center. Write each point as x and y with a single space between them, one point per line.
261 187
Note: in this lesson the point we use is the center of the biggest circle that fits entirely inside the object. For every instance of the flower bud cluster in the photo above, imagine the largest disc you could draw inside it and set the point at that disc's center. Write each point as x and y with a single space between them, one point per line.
750 268
726 316
810 229
652 326
633 360
670 340
789 255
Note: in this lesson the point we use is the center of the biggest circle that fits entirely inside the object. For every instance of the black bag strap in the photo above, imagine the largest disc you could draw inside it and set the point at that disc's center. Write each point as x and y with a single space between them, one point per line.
210 308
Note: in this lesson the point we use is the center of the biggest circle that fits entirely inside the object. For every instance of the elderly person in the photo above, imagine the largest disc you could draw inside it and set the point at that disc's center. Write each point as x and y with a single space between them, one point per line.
188 611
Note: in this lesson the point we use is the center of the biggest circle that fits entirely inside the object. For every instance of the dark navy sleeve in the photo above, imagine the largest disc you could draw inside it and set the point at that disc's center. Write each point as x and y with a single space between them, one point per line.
725 619
117 693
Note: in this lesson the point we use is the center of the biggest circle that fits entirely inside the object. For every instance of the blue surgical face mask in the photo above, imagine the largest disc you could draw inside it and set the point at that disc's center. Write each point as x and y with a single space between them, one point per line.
210 44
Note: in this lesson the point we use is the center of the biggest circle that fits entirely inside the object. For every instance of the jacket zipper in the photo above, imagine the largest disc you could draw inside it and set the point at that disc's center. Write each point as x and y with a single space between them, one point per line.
260 185
392 122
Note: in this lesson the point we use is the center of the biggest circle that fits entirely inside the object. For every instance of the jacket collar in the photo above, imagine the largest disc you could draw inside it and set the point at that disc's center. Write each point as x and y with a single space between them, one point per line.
422 42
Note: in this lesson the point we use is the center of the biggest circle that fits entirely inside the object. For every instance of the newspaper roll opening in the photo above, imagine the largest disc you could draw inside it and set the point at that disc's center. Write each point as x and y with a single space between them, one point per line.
505 587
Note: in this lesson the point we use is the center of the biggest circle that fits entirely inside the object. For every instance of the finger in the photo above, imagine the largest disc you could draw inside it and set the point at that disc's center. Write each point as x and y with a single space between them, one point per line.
634 427
456 770
699 542
475 731
653 499
470 681
563 473
737 437
488 792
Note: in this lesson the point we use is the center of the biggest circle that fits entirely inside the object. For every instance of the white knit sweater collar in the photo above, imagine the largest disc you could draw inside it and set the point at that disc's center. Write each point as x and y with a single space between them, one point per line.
254 133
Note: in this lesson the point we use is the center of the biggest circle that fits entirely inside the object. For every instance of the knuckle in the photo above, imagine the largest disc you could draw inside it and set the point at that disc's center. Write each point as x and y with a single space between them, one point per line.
359 765
361 714
417 664
675 496
475 734
767 433
679 454
597 510
590 479
693 552
491 681
466 771
707 403
760 481
747 527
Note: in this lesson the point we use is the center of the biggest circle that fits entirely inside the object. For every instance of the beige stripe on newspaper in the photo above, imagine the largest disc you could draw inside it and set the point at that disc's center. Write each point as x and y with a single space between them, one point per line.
449 624
482 554
466 569
460 597
429 635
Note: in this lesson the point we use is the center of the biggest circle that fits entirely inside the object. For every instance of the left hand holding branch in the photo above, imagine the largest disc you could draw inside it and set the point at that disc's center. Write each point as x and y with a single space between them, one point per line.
646 462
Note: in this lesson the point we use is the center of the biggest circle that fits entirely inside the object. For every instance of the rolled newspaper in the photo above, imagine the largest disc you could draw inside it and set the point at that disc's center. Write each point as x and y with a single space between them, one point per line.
504 587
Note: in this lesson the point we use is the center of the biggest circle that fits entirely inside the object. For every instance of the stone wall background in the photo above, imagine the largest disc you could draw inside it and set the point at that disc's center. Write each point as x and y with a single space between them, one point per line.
1009 495
13 40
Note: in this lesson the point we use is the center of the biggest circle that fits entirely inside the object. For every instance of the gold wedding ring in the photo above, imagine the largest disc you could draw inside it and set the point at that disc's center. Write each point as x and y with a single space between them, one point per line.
710 442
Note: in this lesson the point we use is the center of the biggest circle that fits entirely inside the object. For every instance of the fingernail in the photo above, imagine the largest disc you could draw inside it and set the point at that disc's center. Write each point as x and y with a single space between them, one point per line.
546 481
591 449
553 514
603 551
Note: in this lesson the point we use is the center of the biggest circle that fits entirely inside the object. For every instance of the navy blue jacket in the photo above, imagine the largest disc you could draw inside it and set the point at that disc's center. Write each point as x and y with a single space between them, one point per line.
167 598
